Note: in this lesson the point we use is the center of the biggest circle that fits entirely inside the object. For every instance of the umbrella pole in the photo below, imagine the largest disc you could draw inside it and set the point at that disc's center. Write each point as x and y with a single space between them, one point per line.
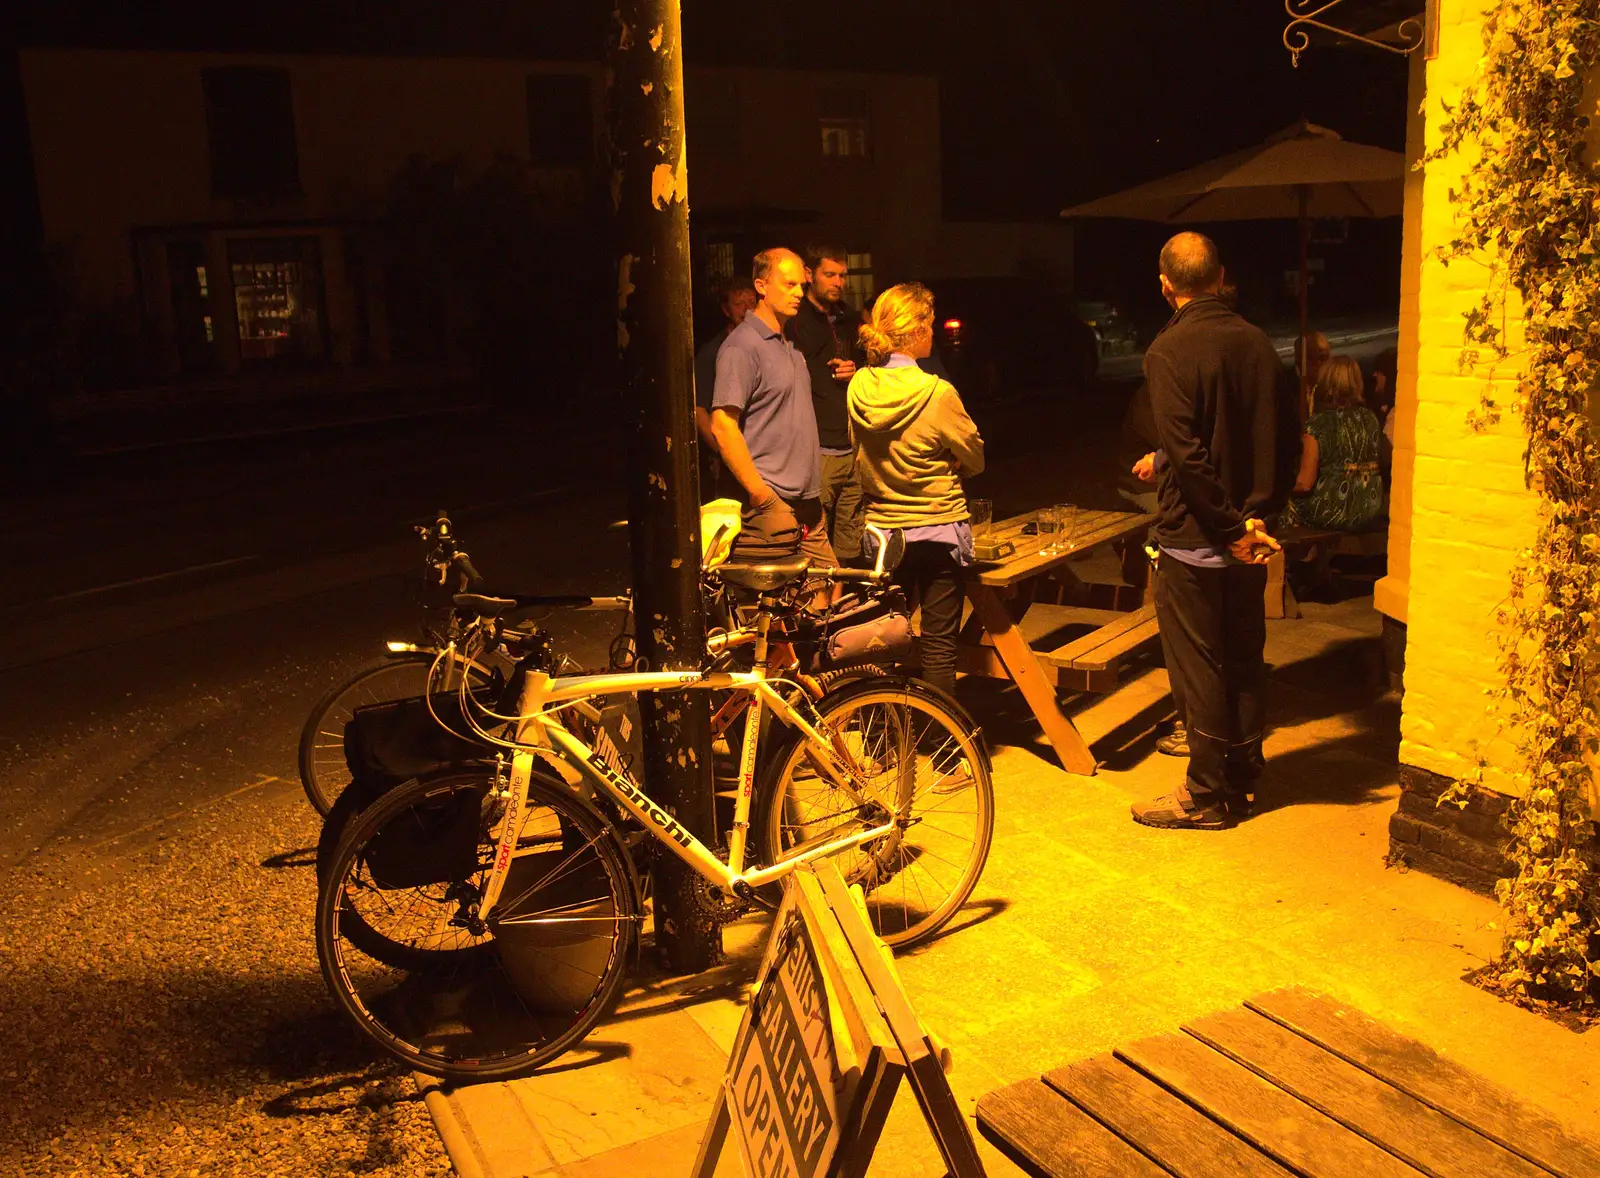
1304 194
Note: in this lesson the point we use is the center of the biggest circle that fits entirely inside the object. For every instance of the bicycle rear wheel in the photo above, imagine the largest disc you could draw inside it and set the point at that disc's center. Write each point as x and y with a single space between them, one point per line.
323 771
456 995
921 765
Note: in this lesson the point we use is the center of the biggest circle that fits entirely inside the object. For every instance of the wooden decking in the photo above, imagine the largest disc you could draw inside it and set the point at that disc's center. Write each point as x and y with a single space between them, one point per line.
1290 1084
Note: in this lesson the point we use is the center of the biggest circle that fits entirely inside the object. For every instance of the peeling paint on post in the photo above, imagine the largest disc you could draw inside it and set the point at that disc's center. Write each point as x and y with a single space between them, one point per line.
650 191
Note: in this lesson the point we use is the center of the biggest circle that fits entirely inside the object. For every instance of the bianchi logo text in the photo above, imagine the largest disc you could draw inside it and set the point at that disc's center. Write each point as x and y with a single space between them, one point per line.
634 794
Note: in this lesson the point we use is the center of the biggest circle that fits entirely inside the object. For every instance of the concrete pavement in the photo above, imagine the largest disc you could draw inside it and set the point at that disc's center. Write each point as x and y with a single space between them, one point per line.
1088 931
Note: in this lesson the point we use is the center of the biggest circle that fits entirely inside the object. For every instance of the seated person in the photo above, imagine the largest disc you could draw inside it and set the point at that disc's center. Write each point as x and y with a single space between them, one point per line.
1339 487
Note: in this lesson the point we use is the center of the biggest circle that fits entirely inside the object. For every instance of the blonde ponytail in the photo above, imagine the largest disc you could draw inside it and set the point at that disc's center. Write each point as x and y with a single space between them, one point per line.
900 315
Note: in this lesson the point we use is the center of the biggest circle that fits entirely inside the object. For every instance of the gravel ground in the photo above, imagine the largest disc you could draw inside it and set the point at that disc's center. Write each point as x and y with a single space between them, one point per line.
166 1015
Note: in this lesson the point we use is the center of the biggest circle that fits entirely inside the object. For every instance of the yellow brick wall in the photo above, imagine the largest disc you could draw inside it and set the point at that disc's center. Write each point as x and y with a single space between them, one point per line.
1467 509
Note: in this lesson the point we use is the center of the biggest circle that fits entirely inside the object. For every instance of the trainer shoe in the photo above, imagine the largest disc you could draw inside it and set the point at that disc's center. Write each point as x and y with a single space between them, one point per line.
956 780
1176 811
1176 742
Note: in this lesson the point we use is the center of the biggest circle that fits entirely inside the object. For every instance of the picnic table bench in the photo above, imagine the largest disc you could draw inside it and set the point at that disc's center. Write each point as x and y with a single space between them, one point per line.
1035 623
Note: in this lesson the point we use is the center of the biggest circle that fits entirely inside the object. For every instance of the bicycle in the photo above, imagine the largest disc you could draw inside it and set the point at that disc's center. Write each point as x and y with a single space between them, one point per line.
510 885
406 669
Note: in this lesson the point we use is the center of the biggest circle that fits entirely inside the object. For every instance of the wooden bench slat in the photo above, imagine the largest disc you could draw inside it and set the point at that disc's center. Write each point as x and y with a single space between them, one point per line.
1097 651
1276 1123
1442 1084
1043 619
1050 1137
1185 1141
1407 1128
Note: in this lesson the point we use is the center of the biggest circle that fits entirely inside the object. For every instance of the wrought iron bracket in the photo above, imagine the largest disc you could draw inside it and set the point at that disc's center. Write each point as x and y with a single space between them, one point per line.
1305 15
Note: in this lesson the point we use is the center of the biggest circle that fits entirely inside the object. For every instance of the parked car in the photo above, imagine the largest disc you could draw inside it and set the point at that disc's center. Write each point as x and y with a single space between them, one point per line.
1114 333
1006 335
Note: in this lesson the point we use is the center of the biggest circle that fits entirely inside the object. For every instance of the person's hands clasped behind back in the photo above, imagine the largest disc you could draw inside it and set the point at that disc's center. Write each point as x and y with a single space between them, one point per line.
1255 546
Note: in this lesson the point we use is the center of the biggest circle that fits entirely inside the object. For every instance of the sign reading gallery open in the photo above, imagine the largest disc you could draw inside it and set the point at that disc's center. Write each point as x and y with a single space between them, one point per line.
827 1039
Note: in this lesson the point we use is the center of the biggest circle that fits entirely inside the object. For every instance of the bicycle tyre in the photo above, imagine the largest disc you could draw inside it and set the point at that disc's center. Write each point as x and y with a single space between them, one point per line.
323 772
951 782
503 999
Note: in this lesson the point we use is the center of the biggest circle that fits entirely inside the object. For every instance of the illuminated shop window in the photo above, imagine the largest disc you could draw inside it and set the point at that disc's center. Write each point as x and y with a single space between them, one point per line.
277 295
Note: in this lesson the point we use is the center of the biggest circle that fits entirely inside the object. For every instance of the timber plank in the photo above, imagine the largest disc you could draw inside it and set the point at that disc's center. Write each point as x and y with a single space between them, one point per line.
1364 1104
1028 561
1276 1123
1050 1137
1415 1069
1158 1124
1097 650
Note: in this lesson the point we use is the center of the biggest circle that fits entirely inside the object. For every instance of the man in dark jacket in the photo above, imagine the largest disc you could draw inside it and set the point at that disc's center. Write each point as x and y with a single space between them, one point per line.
825 333
1229 449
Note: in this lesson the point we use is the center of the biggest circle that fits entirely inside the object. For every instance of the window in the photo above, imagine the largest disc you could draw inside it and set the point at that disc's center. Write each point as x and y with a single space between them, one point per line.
713 115
719 261
250 127
277 294
560 121
860 286
846 124
193 329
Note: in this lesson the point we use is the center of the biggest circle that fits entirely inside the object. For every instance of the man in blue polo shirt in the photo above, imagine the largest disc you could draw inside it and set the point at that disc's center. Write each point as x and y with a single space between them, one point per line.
764 423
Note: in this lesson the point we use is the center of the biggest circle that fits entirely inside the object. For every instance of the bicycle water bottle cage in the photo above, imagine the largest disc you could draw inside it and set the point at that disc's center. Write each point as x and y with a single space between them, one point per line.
764 577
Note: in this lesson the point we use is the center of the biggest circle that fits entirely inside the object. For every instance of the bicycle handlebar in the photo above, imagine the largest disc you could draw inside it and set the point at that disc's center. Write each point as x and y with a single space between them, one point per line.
870 576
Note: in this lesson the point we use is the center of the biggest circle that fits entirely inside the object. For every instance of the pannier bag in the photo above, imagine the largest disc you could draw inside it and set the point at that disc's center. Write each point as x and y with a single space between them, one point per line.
391 742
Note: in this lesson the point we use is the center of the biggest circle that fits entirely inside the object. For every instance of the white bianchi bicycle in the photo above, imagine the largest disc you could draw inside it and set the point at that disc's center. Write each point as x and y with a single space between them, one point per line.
478 922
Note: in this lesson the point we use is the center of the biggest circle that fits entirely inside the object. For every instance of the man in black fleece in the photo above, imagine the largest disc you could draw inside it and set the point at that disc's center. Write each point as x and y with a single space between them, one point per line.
824 331
1230 451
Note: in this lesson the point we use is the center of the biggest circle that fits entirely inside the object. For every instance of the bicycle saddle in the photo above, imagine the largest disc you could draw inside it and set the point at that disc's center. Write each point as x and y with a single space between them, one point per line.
763 577
483 606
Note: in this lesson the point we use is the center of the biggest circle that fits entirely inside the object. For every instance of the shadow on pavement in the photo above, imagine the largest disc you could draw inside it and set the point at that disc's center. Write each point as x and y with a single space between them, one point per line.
299 857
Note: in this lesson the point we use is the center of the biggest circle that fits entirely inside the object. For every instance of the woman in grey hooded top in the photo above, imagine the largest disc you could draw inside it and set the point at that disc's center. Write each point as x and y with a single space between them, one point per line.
914 442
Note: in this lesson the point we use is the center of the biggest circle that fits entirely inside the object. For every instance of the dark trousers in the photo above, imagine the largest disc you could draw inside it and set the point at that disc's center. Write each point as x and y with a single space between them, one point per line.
1213 634
931 577
843 508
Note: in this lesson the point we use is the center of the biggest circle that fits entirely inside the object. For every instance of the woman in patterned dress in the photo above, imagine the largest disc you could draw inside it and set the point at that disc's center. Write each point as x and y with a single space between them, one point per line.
1340 486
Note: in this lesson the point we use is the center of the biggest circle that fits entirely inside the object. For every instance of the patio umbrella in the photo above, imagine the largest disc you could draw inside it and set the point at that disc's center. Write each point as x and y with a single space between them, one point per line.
1299 174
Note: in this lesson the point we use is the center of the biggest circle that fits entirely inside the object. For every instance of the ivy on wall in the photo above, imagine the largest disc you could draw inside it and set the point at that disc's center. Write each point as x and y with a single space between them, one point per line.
1530 203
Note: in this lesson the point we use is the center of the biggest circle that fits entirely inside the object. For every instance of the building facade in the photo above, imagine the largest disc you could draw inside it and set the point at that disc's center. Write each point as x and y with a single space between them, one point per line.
1461 509
242 209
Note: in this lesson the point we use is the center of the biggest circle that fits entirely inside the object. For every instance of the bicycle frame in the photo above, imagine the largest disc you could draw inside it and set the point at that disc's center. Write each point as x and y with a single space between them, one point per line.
539 735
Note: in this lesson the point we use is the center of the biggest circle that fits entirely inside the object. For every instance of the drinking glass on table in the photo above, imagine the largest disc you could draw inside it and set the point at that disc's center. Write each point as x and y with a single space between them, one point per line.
1066 526
1048 524
980 518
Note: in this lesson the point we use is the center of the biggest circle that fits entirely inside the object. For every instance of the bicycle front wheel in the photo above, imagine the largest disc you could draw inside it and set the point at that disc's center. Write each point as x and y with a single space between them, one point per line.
918 762
323 771
456 992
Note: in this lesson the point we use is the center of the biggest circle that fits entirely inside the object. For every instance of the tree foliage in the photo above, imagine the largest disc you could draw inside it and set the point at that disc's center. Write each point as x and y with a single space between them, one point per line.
1530 206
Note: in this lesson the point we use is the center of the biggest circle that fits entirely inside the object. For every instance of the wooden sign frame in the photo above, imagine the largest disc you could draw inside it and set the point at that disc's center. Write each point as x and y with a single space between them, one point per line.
872 1040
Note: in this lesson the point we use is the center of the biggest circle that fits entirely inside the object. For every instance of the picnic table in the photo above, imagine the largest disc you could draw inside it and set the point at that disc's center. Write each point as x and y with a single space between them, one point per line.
1035 623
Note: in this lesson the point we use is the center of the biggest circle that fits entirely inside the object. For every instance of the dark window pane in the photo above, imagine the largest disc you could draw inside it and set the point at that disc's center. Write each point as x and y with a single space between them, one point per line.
250 123
560 122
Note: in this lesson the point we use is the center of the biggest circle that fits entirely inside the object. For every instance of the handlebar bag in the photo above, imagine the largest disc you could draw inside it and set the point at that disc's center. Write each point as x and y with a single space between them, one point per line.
874 630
